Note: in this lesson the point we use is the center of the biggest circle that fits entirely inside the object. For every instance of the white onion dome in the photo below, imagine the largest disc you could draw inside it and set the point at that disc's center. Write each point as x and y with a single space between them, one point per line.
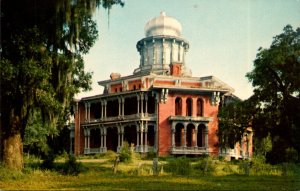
163 25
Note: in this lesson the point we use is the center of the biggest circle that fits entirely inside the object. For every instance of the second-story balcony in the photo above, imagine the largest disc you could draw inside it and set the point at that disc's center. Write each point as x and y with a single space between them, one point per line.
123 118
181 150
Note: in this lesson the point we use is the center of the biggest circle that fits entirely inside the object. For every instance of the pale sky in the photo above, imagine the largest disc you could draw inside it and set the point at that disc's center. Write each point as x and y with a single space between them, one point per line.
224 36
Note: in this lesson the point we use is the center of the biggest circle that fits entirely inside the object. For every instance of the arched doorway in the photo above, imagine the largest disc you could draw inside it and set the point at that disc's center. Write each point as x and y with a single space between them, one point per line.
95 138
112 138
151 135
200 136
179 135
130 134
190 136
130 106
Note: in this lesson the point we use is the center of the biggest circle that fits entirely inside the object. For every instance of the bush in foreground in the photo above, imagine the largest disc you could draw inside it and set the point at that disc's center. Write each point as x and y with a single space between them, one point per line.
179 166
72 167
125 154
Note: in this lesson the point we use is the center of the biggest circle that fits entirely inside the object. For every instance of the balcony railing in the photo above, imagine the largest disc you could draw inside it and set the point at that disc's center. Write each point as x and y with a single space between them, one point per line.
95 150
233 153
189 150
138 149
125 117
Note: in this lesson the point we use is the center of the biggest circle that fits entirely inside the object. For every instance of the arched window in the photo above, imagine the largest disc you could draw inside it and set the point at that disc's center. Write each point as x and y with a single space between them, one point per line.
179 135
178 106
199 107
189 103
134 87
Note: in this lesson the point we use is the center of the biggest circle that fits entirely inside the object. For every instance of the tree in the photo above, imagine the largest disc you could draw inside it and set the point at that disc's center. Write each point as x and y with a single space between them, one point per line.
41 64
274 109
276 83
234 120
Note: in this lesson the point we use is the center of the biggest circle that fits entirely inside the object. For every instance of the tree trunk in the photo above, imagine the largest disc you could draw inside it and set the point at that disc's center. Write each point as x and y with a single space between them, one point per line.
13 151
12 142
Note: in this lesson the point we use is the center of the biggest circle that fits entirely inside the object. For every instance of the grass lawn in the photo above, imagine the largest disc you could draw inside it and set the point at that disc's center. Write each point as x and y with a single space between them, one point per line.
99 176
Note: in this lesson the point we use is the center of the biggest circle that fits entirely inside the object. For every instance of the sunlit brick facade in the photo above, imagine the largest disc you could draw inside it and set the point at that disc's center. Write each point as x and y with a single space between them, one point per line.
160 108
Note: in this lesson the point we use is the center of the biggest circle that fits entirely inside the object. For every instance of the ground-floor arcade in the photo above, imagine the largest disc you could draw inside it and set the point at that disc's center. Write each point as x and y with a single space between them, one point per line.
99 138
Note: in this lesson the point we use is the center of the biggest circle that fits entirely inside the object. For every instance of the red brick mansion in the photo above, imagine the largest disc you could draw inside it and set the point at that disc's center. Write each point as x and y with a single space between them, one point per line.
161 107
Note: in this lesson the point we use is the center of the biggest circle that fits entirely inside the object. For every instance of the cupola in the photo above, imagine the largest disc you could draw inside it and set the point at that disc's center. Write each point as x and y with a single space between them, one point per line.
163 47
163 25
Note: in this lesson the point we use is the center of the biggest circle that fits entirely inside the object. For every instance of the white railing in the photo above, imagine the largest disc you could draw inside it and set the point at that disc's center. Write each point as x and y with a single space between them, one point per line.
125 117
95 150
234 153
189 150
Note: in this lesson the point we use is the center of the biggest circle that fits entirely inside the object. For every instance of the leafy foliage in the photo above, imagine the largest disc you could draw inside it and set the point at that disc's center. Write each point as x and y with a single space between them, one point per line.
125 154
234 119
72 167
41 62
274 110
179 166
276 82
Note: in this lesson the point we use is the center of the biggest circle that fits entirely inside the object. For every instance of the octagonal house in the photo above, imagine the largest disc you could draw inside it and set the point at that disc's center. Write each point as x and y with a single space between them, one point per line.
161 108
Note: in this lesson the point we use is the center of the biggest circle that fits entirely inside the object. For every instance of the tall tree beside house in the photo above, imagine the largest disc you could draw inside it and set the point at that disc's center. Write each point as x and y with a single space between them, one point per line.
276 83
234 120
274 109
41 64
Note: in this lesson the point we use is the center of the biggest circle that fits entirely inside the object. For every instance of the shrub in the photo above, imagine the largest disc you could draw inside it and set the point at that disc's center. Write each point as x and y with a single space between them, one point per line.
110 155
125 154
62 156
179 166
258 166
72 167
32 162
291 155
151 154
8 174
205 165
48 162
98 156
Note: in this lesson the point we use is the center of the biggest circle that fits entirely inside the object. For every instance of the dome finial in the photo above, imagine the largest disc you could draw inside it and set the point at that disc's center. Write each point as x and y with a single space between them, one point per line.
163 13
163 25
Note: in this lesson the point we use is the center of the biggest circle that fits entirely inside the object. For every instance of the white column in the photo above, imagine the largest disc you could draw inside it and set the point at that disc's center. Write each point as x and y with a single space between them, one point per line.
123 101
104 141
146 106
105 104
146 136
206 136
101 135
88 138
173 133
122 135
142 104
120 106
85 138
196 135
141 134
138 104
137 135
163 52
89 112
102 109
184 135
86 112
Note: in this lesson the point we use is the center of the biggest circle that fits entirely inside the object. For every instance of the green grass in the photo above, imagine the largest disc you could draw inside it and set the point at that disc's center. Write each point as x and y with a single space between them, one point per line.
137 175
